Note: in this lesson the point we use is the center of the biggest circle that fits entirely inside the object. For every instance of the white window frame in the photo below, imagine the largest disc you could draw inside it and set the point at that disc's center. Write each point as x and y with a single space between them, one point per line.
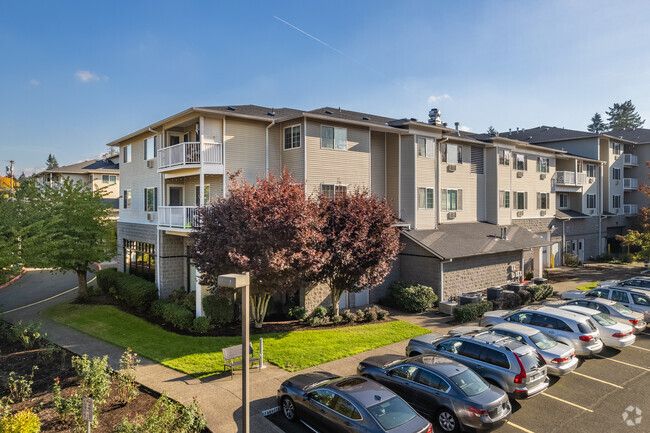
155 199
153 141
539 200
444 198
168 194
505 155
591 169
429 146
284 137
616 173
206 188
592 197
615 198
543 164
505 199
336 131
525 162
336 188
617 148
458 151
126 199
516 203
429 200
126 158
559 201
109 179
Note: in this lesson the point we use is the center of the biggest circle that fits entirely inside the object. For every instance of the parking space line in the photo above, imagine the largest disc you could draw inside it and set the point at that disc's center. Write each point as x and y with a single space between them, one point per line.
641 348
519 427
567 402
597 380
624 363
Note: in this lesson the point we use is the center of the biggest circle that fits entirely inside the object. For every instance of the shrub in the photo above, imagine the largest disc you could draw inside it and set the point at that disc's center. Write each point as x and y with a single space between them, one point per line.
127 387
94 377
412 298
27 335
201 325
369 314
219 309
571 260
106 278
524 297
157 307
473 311
381 313
348 316
315 321
319 312
24 421
19 388
506 301
626 258
297 313
360 316
540 291
337 320
177 316
166 416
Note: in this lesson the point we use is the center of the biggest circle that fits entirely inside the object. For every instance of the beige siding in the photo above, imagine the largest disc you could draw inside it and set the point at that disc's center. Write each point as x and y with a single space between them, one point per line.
492 185
246 148
349 167
505 176
392 172
472 185
136 176
293 159
425 174
275 150
533 182
408 191
189 184
212 129
378 167
111 190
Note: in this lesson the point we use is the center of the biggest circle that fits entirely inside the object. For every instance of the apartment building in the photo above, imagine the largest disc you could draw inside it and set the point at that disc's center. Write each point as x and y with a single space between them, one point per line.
636 169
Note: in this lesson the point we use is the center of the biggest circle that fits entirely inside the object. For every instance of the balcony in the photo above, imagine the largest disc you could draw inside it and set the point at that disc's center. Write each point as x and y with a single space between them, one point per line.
630 160
630 209
570 178
630 183
182 218
189 155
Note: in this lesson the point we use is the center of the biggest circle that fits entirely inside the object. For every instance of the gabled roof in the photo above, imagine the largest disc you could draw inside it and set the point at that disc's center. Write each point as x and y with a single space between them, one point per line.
550 134
568 214
269 113
639 135
103 165
450 241
337 113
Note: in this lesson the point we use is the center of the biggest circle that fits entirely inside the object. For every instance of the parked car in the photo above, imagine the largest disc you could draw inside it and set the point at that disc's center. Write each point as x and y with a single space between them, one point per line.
451 394
613 309
515 367
327 403
612 333
564 326
636 283
634 299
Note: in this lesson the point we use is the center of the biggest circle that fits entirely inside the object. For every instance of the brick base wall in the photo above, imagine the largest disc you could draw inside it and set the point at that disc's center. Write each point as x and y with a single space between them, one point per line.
133 232
172 263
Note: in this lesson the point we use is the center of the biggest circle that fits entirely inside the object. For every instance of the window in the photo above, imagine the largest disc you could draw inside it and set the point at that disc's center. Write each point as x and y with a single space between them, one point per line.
206 194
504 199
543 200
617 148
591 170
126 199
140 259
563 201
542 164
521 200
471 350
451 199
331 138
619 296
345 408
543 321
616 173
599 293
109 178
504 157
524 318
452 153
292 137
323 396
579 166
151 148
616 201
425 147
333 191
591 201
425 198
151 199
126 152
521 162
640 299
452 346
404 371
495 357
432 380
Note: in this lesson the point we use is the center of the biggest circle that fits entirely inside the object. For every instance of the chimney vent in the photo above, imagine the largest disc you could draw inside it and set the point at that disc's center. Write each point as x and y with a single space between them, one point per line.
504 233
457 124
434 117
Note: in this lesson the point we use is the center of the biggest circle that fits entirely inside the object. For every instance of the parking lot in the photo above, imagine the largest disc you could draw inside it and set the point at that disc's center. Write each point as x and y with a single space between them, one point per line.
593 398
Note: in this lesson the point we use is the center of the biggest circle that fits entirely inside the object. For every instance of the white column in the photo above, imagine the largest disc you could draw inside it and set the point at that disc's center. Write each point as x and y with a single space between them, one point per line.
537 262
199 288
199 297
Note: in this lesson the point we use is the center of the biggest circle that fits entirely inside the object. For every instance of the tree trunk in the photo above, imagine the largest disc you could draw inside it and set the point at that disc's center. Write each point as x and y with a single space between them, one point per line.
81 282
335 295
259 304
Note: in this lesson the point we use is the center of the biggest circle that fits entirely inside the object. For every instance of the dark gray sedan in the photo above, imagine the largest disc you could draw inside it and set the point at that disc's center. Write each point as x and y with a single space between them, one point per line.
331 404
448 392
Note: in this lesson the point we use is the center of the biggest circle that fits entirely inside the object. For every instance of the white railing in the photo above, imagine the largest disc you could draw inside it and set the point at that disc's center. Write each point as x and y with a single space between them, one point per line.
565 178
630 159
630 183
581 178
181 217
630 209
189 153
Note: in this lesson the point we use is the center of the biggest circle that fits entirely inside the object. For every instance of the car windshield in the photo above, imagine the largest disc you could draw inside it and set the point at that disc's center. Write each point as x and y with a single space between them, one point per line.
392 413
621 308
531 361
470 383
604 319
543 341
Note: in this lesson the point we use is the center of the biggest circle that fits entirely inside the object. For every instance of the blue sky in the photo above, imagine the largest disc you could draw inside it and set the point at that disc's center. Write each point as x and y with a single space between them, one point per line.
77 75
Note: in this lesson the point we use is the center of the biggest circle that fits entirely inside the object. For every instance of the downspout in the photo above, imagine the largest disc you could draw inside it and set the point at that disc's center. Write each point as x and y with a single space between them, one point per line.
399 176
563 240
304 138
224 176
267 147
601 202
442 141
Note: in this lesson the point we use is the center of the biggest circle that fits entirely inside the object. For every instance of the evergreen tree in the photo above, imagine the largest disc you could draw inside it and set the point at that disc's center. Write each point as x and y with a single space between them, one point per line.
491 130
624 116
597 125
51 162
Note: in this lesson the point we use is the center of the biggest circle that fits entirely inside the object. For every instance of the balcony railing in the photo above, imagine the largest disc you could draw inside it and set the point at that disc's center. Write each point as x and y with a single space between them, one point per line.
631 183
189 154
630 209
178 217
630 159
570 178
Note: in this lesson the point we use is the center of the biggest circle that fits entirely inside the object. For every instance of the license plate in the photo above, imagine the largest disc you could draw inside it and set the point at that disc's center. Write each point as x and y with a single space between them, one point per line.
499 410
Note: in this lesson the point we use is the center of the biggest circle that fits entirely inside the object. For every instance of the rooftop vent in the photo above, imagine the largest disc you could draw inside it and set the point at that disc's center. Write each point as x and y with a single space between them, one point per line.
271 113
444 124
504 233
230 108
365 118
457 125
328 112
413 119
434 117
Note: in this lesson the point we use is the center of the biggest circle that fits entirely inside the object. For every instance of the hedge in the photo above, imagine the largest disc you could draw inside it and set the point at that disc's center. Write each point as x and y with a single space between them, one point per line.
539 292
177 316
473 311
134 291
412 298
106 279
219 309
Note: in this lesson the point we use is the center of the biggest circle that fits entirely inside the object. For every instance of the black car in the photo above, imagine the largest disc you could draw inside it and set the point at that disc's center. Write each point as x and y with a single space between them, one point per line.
446 391
333 404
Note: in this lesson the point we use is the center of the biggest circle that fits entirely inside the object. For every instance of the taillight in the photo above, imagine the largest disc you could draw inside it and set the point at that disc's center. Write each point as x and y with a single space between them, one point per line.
586 338
560 360
521 376
430 429
619 334
477 412
634 321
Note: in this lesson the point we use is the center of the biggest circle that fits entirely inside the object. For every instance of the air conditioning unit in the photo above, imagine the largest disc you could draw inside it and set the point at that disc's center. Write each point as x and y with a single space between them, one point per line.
451 215
616 182
451 168
520 174
150 217
150 163
542 176
520 213
591 211
542 213
591 180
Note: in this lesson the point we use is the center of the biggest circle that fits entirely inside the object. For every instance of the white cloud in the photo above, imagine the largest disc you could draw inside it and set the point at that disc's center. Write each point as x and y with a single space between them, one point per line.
34 82
465 128
86 76
29 171
433 98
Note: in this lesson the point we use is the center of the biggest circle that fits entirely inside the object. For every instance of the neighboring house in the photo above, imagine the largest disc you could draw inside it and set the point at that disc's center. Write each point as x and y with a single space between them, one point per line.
99 173
636 164
474 210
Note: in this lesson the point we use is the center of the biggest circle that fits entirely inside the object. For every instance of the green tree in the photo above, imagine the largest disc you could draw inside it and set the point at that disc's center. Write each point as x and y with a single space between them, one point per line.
624 116
491 130
597 125
9 245
65 227
51 162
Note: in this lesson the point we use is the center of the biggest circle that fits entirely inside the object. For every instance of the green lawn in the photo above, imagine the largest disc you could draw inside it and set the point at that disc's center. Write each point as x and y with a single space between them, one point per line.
588 286
201 356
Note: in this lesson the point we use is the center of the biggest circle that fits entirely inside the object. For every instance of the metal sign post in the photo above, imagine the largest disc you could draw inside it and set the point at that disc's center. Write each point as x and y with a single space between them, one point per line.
87 411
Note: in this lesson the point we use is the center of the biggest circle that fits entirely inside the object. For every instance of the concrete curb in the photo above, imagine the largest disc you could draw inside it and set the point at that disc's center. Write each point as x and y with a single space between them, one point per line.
23 272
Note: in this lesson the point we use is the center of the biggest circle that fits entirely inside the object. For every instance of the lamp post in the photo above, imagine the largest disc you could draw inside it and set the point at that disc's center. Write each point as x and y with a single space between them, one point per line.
236 281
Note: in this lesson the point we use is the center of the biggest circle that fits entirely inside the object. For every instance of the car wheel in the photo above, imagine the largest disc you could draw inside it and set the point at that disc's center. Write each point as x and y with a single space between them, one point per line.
447 420
289 409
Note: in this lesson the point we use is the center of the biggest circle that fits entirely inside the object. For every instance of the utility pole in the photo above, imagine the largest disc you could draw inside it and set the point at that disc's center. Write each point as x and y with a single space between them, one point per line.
11 175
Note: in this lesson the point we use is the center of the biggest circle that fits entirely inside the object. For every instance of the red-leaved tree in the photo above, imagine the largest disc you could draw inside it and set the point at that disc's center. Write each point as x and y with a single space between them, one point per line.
270 229
361 242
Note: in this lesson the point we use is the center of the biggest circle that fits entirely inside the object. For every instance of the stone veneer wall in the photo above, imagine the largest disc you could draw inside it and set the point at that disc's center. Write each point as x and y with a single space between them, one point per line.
133 232
172 263
419 266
